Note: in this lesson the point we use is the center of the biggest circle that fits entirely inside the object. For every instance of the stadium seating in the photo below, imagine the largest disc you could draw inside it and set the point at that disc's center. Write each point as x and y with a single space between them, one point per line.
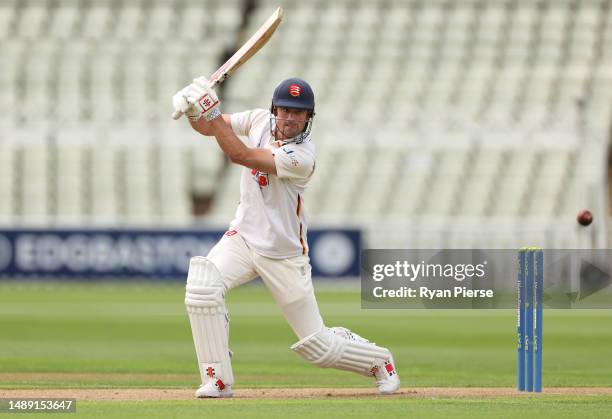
438 123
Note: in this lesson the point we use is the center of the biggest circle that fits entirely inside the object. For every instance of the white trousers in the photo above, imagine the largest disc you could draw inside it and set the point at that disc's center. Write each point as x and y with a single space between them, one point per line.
289 280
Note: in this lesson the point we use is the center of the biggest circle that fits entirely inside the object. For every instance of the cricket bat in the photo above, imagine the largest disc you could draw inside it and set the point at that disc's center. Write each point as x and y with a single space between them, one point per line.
246 51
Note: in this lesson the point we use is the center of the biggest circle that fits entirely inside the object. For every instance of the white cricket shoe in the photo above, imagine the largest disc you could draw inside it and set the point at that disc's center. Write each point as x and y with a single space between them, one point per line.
214 389
387 379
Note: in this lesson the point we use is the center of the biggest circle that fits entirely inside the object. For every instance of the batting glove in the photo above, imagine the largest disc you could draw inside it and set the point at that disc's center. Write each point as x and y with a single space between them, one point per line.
203 99
181 106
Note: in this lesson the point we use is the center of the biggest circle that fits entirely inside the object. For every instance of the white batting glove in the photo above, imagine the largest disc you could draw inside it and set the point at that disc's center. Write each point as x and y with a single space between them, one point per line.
203 99
182 107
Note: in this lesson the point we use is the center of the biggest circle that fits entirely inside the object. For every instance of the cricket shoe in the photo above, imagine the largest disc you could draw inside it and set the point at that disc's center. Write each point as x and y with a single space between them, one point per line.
387 380
214 389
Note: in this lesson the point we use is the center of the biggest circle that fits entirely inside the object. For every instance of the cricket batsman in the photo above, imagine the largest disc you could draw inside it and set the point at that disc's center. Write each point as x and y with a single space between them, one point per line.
267 238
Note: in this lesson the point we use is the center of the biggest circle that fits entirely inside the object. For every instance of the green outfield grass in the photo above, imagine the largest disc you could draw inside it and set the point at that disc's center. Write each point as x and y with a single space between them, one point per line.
554 407
136 335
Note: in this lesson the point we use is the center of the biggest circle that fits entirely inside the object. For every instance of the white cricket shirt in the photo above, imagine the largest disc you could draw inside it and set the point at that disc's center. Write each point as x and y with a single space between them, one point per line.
270 215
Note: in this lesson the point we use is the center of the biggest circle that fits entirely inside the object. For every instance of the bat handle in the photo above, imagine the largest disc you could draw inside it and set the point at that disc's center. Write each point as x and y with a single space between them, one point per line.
177 114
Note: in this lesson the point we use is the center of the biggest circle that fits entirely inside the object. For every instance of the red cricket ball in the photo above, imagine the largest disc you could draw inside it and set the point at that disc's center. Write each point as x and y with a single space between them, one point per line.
584 217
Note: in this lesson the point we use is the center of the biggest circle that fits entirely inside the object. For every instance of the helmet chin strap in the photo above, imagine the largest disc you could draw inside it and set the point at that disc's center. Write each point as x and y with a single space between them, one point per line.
298 138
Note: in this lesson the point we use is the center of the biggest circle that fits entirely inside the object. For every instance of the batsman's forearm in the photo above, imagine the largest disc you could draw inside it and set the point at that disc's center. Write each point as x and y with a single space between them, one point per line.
202 126
228 141
205 127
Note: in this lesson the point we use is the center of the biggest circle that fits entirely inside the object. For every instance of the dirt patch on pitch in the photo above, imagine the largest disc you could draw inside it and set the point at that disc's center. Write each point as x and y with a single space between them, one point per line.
296 393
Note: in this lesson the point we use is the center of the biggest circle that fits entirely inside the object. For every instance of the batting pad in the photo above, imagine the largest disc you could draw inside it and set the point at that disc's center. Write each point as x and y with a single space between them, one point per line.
205 303
343 351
